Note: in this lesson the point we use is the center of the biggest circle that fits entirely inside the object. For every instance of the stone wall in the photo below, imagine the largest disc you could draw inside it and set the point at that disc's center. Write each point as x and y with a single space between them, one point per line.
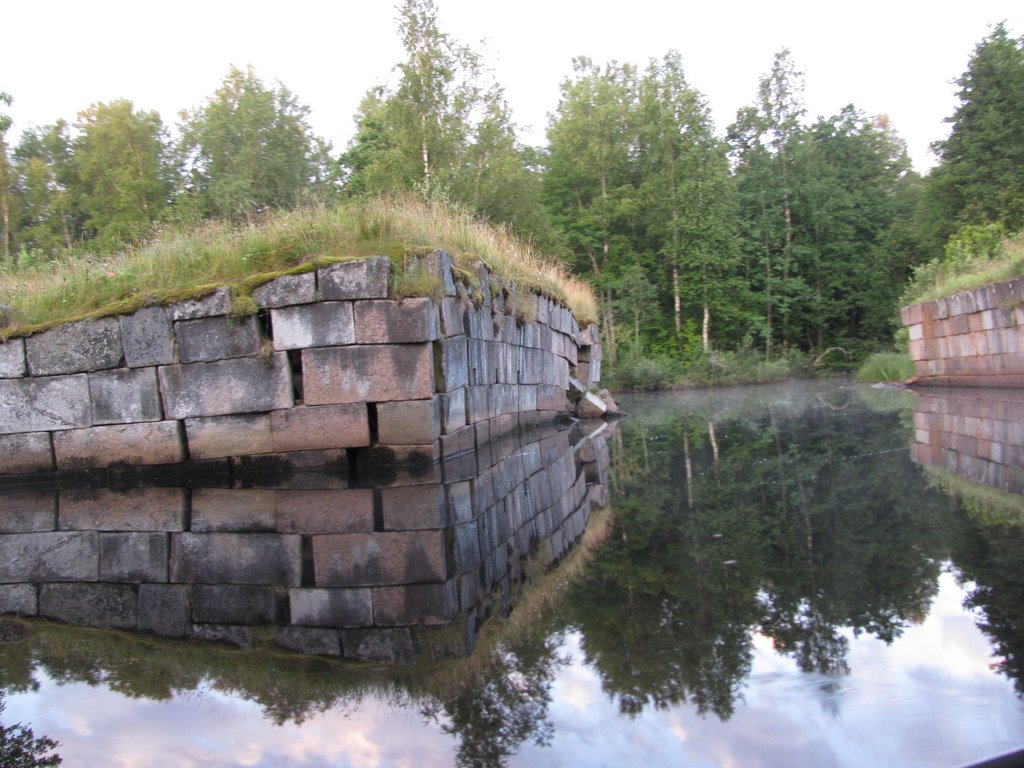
974 338
977 434
370 567
328 362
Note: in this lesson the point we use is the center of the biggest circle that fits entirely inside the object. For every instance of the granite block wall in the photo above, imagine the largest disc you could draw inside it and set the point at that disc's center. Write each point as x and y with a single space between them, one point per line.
328 362
974 338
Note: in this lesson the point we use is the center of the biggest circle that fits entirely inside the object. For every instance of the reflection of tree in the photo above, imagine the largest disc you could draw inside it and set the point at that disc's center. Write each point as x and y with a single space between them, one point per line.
992 556
796 521
21 748
504 704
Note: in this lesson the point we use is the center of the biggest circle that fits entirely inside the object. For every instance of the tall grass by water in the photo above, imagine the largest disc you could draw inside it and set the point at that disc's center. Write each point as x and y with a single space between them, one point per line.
177 264
886 366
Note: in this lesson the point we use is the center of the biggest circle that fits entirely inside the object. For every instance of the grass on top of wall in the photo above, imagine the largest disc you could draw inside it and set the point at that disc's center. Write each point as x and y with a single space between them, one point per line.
182 264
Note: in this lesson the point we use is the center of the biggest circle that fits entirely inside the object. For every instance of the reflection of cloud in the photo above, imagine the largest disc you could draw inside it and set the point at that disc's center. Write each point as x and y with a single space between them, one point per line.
929 699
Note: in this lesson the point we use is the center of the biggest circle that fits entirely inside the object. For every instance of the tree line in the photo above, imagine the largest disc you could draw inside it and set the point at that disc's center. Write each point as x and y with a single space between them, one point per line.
786 234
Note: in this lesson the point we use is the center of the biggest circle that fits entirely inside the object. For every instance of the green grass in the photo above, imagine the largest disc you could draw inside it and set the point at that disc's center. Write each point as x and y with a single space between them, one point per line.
886 366
944 277
182 264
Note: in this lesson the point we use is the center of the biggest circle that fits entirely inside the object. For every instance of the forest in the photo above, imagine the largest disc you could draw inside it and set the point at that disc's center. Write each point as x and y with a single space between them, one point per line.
787 242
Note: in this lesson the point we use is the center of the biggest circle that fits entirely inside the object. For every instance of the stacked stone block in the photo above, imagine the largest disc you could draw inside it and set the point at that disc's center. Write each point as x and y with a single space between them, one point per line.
977 434
974 338
339 567
329 362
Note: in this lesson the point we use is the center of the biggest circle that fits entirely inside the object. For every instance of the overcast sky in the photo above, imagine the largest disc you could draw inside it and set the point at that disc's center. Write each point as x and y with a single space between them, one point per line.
896 57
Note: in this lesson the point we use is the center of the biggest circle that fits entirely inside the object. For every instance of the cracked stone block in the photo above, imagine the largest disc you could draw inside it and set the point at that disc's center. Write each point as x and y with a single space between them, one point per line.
325 511
133 557
379 559
371 373
215 437
90 605
237 558
359 279
242 385
88 345
125 395
148 338
12 358
44 404
217 338
286 290
164 609
136 509
51 556
155 442
317 607
408 422
238 510
307 428
325 324
216 303
26 452
396 322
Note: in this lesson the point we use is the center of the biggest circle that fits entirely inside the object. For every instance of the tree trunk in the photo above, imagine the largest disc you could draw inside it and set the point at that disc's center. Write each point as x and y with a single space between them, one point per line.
677 302
705 328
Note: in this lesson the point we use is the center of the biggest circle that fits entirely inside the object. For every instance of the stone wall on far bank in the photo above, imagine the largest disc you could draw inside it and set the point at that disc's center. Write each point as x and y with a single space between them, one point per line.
973 338
329 361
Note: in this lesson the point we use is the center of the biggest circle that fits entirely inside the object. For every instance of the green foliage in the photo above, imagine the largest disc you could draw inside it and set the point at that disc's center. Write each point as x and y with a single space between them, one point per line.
250 149
635 372
886 366
20 748
742 366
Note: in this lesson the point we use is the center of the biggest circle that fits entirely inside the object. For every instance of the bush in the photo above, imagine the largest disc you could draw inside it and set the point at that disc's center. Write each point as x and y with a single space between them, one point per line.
744 366
635 372
886 366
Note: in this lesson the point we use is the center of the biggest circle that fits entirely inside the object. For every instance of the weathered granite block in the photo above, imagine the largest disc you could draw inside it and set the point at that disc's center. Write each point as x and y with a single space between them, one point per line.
302 428
467 548
215 437
439 262
396 322
25 452
453 410
454 314
12 358
309 640
325 324
148 338
362 279
287 289
413 507
89 345
390 645
125 395
136 509
133 557
164 609
216 303
90 605
44 404
408 422
234 604
457 442
478 407
481 322
153 442
238 510
376 373
26 511
427 604
229 634
453 364
217 338
20 599
335 511
53 556
331 607
372 559
242 385
236 558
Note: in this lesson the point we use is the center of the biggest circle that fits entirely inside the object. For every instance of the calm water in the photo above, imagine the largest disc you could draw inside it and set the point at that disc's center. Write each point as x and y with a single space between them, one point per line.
782 585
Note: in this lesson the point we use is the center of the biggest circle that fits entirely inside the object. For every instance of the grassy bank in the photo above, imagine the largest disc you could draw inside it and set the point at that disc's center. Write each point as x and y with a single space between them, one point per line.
706 369
886 366
180 264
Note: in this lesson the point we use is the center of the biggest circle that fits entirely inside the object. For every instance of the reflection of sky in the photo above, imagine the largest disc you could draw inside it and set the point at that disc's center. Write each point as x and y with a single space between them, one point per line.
929 699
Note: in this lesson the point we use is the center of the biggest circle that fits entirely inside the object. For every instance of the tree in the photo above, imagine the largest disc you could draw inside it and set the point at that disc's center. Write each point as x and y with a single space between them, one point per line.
121 170
981 174
47 209
5 183
250 149
20 748
688 195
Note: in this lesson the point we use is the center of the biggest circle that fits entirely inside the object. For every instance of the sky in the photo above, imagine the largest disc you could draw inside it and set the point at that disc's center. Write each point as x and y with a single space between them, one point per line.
893 57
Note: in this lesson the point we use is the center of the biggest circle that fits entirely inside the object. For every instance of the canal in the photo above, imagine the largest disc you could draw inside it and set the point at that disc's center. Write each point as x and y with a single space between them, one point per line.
812 574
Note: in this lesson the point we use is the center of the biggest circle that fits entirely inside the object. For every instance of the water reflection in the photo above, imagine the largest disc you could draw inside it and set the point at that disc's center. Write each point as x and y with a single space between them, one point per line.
781 584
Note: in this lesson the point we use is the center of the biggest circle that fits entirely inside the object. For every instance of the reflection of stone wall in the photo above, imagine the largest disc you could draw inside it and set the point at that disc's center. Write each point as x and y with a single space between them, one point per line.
974 338
338 564
329 362
977 434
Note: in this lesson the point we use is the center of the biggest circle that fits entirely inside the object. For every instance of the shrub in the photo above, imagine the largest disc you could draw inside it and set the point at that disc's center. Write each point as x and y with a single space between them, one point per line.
886 366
